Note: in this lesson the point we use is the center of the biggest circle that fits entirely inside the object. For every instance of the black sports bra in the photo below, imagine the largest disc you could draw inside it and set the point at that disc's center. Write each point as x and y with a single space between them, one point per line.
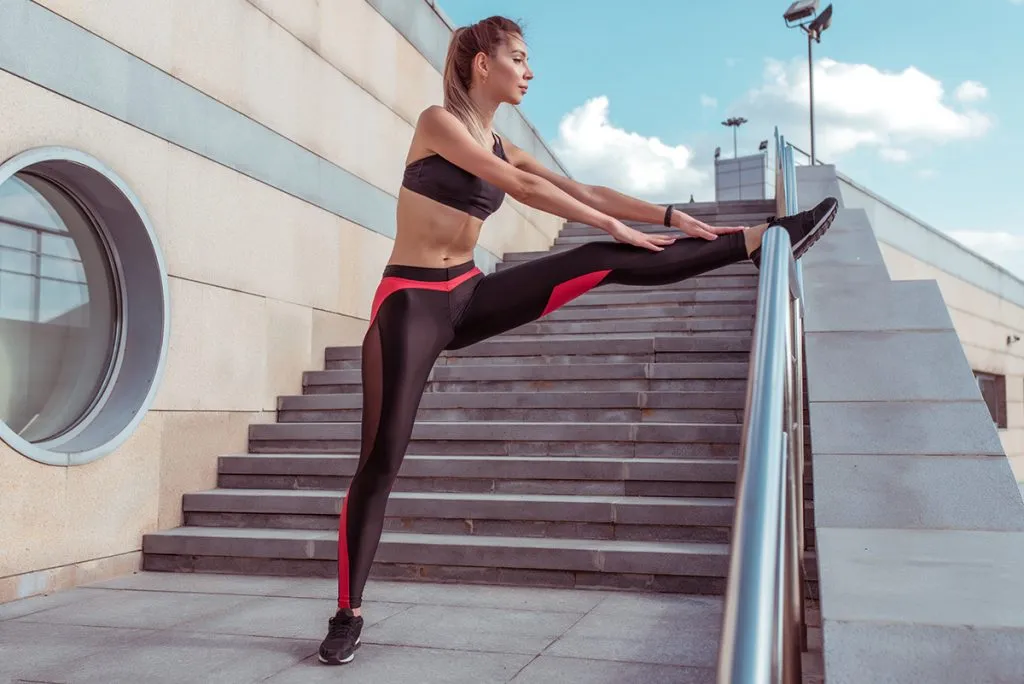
439 179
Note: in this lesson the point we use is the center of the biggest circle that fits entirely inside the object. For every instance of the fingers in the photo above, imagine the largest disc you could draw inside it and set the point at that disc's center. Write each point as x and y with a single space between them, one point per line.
725 230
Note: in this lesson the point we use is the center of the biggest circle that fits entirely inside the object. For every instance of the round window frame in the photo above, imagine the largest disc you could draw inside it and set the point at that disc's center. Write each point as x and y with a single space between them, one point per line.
142 332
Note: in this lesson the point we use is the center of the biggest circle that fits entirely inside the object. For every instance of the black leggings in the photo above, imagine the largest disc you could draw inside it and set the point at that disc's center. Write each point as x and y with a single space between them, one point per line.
419 312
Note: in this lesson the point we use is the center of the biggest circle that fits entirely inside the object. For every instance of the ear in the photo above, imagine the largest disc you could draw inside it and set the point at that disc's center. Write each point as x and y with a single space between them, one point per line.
481 64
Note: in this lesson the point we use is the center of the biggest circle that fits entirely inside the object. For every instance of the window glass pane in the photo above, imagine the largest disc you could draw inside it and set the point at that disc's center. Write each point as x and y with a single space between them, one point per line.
15 236
21 201
58 310
62 269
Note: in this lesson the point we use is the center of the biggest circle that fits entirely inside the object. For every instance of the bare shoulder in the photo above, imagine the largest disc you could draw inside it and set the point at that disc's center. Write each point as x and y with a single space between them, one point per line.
435 116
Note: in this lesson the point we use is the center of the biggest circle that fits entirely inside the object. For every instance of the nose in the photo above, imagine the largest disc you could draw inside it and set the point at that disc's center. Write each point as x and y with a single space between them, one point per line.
528 75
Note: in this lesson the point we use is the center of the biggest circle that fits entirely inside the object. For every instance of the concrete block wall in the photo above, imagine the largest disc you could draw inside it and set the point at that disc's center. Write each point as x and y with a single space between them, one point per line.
919 522
984 300
265 140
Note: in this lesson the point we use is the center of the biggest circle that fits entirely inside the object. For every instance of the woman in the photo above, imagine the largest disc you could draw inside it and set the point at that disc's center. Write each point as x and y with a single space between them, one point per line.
433 298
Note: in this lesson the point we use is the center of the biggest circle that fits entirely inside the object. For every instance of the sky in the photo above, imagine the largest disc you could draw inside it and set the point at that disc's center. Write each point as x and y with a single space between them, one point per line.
920 106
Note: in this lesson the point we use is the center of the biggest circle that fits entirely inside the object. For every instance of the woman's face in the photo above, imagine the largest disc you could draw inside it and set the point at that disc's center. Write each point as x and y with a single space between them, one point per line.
506 75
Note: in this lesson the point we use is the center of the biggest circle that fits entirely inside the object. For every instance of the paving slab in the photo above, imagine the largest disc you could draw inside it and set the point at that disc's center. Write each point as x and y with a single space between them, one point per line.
198 583
289 618
36 604
385 664
30 648
173 657
547 669
137 609
695 648
473 629
470 596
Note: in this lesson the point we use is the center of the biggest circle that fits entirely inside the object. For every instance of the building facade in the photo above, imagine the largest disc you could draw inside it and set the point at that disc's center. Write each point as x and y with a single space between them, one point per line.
196 199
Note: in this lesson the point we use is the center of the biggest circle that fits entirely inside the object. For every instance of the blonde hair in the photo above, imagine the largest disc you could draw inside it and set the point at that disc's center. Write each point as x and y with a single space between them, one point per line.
484 36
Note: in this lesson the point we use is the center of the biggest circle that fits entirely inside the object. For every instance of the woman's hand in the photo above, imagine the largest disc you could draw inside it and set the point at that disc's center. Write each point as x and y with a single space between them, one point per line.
694 228
630 236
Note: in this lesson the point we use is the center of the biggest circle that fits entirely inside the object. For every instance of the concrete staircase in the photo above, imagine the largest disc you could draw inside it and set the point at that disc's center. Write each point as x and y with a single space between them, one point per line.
594 448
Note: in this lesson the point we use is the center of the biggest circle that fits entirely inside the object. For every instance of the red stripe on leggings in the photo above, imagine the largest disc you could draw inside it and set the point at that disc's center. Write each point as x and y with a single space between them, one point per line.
571 289
343 574
390 285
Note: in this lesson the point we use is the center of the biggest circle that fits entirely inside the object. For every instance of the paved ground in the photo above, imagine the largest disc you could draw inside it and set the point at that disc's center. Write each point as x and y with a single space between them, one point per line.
154 627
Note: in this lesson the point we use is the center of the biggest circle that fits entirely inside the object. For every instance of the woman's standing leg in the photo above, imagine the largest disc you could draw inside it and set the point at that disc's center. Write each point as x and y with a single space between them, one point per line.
406 335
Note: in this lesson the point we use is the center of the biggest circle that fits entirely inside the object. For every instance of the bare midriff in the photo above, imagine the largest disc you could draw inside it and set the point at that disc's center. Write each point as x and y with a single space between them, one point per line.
431 234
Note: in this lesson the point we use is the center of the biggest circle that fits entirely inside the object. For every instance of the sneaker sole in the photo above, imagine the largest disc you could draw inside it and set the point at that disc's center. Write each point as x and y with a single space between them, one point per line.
820 228
343 661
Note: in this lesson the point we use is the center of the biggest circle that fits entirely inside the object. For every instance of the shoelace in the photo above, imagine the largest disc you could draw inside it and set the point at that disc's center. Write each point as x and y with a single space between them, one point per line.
340 628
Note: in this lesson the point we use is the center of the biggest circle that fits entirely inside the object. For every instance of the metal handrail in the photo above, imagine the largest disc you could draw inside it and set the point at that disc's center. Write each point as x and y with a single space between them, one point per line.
763 625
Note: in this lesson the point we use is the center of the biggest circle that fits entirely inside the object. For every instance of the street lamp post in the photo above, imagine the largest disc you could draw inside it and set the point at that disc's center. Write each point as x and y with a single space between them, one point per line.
798 12
734 123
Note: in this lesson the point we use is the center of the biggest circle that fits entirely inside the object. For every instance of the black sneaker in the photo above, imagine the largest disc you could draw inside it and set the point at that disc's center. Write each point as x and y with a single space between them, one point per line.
342 638
804 228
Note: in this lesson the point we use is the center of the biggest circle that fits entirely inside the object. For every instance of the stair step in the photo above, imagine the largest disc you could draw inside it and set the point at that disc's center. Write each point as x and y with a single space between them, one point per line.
584 233
483 474
551 415
602 297
639 400
744 268
544 326
576 371
680 567
653 311
704 282
647 348
571 377
644 440
489 514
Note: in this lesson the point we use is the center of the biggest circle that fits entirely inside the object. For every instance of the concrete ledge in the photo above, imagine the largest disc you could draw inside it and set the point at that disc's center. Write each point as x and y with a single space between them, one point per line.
920 525
881 306
935 577
914 492
909 427
889 366
861 652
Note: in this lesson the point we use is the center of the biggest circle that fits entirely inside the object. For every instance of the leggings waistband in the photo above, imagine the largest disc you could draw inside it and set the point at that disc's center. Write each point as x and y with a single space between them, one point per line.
428 275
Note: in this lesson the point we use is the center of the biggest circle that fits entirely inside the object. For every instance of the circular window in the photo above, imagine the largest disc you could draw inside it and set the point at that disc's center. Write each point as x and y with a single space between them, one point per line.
83 308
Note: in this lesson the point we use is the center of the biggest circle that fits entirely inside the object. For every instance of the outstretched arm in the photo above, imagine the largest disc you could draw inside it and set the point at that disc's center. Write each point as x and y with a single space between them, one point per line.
445 135
611 202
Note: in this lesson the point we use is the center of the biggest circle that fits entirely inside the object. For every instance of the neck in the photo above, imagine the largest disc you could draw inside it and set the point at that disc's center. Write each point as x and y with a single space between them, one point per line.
485 107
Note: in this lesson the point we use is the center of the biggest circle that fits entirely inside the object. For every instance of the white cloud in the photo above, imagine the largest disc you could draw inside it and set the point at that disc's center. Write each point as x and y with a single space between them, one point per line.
1005 249
927 173
894 154
971 91
599 153
858 105
708 101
